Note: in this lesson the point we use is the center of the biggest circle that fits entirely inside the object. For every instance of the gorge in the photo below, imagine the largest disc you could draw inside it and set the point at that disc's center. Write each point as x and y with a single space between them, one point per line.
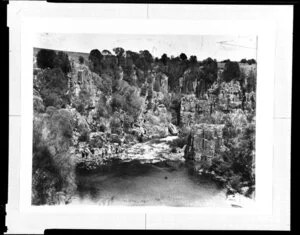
128 129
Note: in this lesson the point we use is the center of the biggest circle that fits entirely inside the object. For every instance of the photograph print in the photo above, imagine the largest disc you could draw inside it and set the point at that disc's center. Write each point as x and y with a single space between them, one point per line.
144 120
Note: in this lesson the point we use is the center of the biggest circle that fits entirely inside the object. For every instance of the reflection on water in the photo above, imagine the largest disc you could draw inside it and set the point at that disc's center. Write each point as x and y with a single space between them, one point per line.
134 184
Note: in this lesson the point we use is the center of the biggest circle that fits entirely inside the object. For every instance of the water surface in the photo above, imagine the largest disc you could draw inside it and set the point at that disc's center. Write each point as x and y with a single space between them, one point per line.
136 184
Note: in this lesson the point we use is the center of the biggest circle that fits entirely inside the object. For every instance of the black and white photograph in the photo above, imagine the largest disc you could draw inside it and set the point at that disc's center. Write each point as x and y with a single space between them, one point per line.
144 120
149 116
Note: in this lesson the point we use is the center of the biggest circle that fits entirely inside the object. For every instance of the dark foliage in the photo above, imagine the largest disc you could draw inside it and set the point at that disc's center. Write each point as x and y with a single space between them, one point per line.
183 56
46 58
81 60
54 87
62 61
231 71
50 59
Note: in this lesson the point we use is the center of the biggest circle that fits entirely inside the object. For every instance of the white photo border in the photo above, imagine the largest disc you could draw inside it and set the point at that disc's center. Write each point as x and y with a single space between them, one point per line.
191 218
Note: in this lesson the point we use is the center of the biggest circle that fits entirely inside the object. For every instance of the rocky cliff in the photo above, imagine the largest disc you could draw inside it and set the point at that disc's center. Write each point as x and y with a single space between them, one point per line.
204 143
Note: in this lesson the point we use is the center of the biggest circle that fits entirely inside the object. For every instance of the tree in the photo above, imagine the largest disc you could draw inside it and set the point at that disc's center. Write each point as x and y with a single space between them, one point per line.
252 61
231 71
225 61
119 51
193 59
164 59
46 58
147 55
243 61
81 60
95 57
62 61
210 71
144 61
106 52
183 56
133 56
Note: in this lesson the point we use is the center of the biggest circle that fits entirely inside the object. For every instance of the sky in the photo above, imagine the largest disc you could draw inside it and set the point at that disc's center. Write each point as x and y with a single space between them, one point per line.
217 47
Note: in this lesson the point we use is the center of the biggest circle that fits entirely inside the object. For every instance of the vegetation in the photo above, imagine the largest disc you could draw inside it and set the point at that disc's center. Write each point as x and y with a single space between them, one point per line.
124 97
53 167
50 59
232 71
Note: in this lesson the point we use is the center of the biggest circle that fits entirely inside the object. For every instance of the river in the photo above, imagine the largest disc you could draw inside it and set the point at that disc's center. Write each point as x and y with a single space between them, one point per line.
149 180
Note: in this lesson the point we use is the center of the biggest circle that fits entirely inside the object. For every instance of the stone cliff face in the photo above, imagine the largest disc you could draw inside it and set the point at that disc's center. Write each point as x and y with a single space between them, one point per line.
228 99
190 106
204 143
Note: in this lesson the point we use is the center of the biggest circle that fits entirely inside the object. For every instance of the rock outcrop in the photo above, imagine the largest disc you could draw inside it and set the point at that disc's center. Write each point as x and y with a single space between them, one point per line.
190 106
205 143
